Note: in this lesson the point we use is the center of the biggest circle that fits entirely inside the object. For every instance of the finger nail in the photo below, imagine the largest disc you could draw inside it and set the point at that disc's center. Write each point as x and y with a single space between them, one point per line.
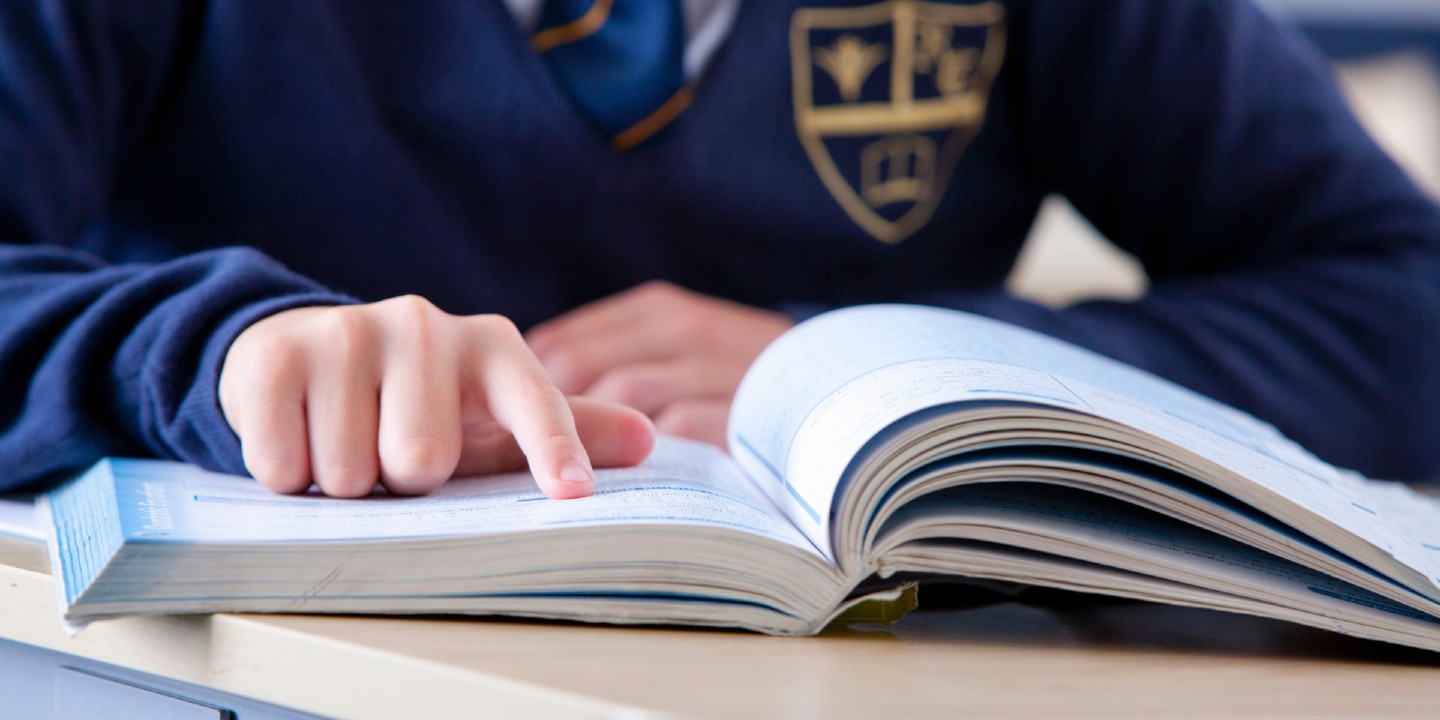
576 474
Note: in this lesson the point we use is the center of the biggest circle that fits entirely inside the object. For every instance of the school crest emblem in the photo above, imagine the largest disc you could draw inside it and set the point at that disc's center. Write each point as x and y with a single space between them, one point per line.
887 97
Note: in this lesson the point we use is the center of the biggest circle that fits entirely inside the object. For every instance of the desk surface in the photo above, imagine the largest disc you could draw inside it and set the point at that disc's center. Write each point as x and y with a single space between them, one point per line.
1052 655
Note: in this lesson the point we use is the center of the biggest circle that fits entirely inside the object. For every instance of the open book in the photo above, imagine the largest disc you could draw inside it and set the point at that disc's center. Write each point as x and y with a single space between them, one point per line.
871 447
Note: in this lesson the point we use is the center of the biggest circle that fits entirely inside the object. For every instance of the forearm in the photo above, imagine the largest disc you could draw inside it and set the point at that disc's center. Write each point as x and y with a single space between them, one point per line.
123 360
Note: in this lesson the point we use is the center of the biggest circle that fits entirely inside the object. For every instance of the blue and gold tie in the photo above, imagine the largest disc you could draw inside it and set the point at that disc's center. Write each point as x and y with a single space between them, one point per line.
621 62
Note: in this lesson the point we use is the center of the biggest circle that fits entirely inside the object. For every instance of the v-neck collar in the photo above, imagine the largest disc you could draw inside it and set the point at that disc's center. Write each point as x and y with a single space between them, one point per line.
547 84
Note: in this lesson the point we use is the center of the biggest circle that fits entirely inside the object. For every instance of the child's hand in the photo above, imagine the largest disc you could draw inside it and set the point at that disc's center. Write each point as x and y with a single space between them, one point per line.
401 393
673 354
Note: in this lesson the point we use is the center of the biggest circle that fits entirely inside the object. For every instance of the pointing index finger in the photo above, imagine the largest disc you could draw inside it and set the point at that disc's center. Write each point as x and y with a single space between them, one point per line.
523 400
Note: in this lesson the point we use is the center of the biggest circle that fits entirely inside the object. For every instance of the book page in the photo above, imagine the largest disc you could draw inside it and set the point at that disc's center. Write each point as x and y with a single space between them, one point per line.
817 395
682 483
824 389
1079 525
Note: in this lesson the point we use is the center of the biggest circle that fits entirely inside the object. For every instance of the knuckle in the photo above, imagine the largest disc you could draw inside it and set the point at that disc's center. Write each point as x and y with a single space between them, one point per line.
345 480
418 465
264 354
415 322
344 332
279 357
656 289
535 409
410 305
556 442
496 328
412 313
539 392
278 476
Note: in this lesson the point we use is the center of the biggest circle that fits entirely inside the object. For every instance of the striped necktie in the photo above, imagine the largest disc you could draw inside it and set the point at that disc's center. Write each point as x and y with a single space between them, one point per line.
620 61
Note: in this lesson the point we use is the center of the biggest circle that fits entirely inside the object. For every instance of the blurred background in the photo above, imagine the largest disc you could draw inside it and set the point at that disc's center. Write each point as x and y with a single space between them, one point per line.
1386 55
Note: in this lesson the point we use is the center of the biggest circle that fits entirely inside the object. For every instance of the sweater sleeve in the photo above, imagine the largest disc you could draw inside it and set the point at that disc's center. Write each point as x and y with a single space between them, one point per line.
97 358
1295 270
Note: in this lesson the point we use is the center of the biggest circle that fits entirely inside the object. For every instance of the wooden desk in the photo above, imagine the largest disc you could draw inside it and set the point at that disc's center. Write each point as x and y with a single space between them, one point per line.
1054 655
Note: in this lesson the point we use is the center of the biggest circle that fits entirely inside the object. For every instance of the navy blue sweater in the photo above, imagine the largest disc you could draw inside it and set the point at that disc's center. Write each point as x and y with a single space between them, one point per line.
171 171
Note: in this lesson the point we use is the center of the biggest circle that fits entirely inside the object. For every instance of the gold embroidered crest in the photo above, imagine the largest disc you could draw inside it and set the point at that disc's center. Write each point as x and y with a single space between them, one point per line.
887 97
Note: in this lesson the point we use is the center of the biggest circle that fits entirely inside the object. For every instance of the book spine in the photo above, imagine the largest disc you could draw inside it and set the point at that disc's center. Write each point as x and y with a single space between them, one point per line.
86 517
